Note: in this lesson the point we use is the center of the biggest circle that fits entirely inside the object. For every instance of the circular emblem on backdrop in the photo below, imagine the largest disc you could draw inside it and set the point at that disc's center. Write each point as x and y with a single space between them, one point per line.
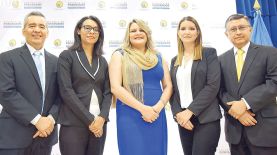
101 4
57 42
59 4
144 4
163 23
12 42
15 3
184 5
122 23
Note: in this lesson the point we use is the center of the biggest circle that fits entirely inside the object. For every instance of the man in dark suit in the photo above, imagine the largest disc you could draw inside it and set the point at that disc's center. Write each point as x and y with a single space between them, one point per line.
29 93
248 91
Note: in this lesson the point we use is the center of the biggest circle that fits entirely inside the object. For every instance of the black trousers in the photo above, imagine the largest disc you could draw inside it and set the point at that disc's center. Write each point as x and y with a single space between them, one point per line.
246 148
81 141
36 148
202 140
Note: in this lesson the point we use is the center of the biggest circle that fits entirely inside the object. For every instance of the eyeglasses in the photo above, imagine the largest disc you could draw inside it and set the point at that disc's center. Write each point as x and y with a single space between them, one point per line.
240 28
88 29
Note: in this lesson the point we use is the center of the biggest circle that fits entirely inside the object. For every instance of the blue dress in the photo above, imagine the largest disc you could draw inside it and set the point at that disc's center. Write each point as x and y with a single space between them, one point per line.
135 136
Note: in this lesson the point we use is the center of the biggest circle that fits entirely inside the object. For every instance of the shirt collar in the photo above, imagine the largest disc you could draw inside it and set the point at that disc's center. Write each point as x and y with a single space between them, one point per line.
33 50
184 62
244 48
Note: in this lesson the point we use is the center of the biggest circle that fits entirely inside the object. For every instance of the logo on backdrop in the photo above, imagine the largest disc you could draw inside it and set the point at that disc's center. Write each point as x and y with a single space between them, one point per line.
59 4
119 5
12 24
76 4
163 23
12 43
115 43
68 43
101 4
144 4
55 24
184 5
32 5
174 24
122 23
57 42
162 43
15 4
160 5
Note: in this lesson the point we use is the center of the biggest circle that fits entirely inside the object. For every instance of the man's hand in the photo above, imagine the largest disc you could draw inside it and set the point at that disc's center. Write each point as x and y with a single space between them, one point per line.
188 125
247 119
237 108
45 127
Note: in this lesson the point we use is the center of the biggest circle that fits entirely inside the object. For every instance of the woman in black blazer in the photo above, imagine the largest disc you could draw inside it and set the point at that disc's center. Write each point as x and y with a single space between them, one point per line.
85 91
195 74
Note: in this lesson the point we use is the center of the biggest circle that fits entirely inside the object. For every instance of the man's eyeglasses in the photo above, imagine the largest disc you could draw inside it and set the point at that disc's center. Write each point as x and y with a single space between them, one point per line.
240 28
88 29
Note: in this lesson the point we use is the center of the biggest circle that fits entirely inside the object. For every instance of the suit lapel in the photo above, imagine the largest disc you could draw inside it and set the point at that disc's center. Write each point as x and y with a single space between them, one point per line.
28 59
85 64
95 66
251 54
231 68
232 63
175 68
174 79
48 70
193 70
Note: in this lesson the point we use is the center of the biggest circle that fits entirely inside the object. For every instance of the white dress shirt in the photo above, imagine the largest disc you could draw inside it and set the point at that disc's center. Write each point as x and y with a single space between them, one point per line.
94 104
245 49
183 78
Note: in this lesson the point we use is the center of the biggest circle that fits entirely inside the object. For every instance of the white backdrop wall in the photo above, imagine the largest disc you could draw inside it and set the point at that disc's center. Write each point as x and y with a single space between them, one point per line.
161 15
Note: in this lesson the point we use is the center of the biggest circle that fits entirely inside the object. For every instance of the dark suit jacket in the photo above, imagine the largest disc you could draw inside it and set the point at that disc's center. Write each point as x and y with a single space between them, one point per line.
76 85
21 94
258 86
205 81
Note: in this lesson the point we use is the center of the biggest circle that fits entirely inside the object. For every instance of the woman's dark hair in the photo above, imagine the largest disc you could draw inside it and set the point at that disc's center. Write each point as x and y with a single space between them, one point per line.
98 47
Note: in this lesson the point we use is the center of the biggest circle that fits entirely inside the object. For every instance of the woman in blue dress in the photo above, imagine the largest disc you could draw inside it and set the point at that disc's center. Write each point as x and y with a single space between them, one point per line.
140 81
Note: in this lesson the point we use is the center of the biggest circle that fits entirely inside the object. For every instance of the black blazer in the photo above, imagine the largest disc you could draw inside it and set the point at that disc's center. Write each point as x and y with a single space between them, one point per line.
205 81
258 86
20 96
77 79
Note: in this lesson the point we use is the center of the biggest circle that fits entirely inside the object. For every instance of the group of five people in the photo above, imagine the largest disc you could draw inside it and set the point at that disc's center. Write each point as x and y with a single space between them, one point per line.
39 91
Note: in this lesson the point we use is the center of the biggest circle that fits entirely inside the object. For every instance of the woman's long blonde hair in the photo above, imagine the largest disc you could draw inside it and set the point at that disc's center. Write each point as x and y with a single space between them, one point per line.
198 42
149 43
